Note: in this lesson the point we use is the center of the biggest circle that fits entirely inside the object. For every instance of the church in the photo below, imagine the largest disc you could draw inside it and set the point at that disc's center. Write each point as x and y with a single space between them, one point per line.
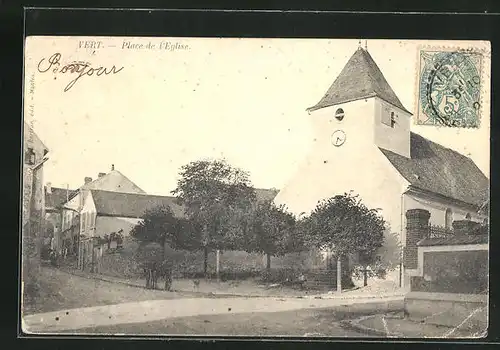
364 145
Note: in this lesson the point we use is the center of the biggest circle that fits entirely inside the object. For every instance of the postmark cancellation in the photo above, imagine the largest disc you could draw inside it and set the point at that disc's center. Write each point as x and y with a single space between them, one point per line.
449 87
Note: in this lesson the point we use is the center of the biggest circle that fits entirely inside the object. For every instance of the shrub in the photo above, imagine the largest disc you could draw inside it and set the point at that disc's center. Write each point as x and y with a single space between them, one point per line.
225 275
280 275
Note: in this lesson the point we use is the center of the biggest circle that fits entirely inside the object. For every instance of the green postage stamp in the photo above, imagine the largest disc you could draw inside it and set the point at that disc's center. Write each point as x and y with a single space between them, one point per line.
449 88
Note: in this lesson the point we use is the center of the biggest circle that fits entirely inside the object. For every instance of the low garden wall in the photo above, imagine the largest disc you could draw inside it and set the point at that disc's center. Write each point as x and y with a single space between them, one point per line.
122 262
448 279
452 271
234 265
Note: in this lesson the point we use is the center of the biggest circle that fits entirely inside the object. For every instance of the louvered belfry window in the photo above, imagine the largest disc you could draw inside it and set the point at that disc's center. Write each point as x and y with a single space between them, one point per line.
386 116
393 119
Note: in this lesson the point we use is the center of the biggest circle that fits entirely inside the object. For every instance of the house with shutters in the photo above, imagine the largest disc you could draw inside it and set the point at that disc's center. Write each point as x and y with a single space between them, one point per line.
364 144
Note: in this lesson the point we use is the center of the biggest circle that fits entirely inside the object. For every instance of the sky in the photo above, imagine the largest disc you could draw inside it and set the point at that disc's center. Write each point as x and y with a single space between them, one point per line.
186 99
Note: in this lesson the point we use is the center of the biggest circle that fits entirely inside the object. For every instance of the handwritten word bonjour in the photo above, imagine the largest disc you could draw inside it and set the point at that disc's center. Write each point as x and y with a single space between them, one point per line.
81 68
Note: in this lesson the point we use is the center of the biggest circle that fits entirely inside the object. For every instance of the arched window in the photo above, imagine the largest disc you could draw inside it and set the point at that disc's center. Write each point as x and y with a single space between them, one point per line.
448 218
339 114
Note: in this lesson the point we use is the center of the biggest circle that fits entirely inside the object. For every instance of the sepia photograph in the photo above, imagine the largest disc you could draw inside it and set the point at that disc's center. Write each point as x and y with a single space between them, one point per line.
183 186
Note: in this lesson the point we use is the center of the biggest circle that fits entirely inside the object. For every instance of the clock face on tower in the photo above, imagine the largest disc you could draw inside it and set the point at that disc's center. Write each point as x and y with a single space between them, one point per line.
338 138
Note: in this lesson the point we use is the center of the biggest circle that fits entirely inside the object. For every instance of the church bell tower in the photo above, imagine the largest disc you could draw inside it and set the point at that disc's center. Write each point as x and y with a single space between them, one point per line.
360 107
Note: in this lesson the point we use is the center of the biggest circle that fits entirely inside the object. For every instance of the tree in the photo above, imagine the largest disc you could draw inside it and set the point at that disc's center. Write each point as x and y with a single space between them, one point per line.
217 198
159 225
272 231
157 228
344 225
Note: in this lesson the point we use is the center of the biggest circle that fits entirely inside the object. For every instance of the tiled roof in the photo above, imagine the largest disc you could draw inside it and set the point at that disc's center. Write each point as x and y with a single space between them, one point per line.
454 240
361 78
131 205
31 138
57 197
134 205
441 170
115 181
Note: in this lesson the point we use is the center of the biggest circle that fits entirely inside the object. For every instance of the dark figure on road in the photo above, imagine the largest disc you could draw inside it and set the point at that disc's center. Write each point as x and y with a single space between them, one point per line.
166 272
155 270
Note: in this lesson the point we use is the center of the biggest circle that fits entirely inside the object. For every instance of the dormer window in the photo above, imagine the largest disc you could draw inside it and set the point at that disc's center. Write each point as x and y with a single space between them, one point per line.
339 114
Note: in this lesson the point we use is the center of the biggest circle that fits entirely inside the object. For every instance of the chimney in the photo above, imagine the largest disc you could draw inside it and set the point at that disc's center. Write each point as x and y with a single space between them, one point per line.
87 180
49 187
112 167
101 174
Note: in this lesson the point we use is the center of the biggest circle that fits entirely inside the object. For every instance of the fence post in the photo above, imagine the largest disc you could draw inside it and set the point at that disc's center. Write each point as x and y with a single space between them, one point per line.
339 274
217 255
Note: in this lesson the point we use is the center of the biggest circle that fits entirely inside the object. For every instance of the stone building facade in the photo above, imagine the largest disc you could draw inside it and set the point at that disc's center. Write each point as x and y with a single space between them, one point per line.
33 204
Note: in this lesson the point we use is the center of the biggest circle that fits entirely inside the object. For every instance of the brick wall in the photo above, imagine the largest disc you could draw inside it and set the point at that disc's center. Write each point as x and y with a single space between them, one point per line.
455 262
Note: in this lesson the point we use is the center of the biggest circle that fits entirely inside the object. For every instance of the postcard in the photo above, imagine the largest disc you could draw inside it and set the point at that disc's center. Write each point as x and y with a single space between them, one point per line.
178 186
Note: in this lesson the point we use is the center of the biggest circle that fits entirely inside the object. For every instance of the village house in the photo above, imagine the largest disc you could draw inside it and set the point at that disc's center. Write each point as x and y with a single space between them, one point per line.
111 203
363 144
33 200
113 181
33 206
109 206
109 214
68 204
55 197
105 212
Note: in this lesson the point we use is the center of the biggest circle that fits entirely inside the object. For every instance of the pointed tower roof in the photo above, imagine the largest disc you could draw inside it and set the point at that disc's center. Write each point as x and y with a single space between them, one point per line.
361 78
